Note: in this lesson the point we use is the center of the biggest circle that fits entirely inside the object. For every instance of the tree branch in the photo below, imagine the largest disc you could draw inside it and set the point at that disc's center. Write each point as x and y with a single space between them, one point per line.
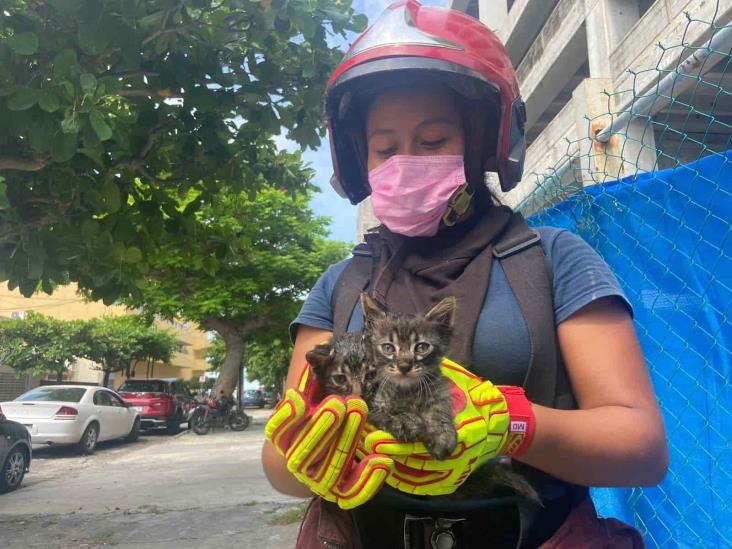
24 164
164 94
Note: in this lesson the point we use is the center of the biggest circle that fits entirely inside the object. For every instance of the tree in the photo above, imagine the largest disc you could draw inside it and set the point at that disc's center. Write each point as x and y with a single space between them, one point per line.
120 118
268 362
243 270
116 342
215 354
40 344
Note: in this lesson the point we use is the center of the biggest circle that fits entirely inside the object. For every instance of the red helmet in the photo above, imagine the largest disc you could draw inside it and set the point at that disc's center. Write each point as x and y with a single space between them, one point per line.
414 45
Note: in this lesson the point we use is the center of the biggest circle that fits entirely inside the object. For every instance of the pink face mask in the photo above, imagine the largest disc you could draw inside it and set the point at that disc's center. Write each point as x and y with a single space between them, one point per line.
410 194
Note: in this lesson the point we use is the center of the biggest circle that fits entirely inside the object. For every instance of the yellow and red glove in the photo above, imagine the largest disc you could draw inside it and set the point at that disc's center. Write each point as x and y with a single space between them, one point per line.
319 439
490 421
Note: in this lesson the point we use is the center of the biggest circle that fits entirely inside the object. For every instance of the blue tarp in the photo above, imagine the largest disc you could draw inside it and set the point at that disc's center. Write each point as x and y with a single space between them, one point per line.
667 236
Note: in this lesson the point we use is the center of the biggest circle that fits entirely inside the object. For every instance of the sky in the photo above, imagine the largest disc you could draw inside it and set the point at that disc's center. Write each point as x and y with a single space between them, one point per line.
327 202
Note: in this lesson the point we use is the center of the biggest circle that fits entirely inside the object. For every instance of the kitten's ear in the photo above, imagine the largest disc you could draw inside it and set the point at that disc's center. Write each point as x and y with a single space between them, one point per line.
443 312
320 357
371 309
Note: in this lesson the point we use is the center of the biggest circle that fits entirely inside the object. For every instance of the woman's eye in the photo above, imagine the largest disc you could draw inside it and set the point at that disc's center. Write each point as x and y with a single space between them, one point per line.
388 348
339 378
386 152
422 347
434 144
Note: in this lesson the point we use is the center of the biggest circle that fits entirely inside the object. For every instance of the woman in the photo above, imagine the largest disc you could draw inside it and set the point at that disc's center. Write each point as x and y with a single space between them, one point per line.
423 104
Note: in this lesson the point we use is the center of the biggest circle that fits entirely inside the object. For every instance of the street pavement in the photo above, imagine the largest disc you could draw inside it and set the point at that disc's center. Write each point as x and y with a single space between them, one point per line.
185 491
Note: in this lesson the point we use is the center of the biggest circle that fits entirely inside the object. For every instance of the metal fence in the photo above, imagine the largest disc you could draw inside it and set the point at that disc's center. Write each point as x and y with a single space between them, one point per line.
666 232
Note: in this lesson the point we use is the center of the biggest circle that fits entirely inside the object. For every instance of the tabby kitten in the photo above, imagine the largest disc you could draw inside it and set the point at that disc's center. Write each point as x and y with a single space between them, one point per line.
394 364
342 367
412 400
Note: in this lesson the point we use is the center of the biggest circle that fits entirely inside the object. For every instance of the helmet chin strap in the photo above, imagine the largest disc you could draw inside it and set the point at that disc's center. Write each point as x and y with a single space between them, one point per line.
457 206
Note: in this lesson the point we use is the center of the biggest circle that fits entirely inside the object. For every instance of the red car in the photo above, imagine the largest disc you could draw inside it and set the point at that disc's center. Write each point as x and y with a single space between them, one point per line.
160 403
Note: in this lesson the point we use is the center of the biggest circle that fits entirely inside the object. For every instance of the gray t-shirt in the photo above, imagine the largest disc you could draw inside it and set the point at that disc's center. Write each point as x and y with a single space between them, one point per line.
501 346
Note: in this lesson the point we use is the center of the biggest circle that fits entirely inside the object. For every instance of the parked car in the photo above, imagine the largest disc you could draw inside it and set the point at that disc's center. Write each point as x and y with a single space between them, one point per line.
161 403
15 454
253 398
73 414
270 398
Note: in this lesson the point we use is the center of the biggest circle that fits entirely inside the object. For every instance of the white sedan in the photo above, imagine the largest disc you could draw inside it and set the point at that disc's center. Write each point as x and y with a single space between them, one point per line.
73 414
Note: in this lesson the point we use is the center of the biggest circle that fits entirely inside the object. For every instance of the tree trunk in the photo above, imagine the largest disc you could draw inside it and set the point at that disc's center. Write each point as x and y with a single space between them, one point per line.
106 378
59 376
229 374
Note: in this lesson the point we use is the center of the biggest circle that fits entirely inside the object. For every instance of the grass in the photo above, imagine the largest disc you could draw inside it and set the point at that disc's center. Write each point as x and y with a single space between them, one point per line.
151 509
290 515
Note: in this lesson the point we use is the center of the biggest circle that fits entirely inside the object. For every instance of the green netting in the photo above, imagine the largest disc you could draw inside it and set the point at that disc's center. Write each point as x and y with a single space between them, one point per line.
656 203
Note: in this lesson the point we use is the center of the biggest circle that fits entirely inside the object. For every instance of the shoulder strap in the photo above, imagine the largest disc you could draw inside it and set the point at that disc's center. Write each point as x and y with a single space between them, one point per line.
522 258
351 282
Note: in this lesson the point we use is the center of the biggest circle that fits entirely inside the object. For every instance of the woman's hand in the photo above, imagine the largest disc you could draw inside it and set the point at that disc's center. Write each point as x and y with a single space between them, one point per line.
318 441
312 444
489 420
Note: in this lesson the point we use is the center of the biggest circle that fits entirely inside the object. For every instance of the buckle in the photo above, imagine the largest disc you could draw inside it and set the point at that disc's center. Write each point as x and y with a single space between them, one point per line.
505 249
457 205
442 533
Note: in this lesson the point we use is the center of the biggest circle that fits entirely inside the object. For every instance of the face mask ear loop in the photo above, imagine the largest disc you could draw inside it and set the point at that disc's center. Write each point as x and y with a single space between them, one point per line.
457 206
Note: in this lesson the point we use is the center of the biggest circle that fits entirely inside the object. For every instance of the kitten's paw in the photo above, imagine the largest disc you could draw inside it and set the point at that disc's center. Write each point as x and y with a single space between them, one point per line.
441 445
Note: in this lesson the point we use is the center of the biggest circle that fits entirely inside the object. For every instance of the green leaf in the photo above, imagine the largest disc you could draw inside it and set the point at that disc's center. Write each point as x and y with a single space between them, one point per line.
69 88
88 82
94 155
133 255
111 197
101 128
64 63
24 43
70 123
48 101
23 99
63 146
3 196
361 21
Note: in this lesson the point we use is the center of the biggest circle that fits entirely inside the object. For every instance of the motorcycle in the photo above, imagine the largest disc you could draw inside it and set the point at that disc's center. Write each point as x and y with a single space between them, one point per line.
218 413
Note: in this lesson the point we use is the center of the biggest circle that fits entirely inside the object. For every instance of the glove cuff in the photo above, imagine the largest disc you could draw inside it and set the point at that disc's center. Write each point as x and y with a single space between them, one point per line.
522 422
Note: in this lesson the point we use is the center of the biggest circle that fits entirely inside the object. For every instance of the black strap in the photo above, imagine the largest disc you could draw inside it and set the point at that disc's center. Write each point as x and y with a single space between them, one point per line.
351 282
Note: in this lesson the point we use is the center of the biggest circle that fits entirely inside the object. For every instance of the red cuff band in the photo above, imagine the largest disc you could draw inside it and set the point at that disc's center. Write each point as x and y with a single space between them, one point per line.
522 421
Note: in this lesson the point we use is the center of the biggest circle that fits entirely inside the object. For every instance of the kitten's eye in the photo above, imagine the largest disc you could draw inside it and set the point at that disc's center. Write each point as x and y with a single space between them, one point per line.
422 348
338 378
387 348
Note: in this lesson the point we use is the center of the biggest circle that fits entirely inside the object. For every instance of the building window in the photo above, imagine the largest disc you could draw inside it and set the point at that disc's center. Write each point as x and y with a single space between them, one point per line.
18 315
644 6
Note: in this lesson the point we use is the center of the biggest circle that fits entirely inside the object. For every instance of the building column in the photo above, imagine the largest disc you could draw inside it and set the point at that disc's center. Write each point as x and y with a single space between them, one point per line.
493 13
599 162
607 23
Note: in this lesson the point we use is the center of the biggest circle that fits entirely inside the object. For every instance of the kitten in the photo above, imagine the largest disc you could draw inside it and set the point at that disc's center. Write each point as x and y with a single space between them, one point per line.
394 364
412 400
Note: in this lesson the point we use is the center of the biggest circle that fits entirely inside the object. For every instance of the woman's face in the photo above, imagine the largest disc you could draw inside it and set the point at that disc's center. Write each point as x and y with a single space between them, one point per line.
415 123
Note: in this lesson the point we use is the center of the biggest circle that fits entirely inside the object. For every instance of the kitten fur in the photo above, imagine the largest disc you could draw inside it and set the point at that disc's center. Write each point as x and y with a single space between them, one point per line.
412 400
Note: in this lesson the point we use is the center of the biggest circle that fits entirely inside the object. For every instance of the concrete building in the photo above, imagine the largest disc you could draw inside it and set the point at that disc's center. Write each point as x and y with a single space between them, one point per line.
66 304
579 59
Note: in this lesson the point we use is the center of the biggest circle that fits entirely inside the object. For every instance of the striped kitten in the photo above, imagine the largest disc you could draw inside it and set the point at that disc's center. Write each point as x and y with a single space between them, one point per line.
394 364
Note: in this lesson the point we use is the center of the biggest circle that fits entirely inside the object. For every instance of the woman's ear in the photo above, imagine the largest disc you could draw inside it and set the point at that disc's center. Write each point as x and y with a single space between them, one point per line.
371 309
444 312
